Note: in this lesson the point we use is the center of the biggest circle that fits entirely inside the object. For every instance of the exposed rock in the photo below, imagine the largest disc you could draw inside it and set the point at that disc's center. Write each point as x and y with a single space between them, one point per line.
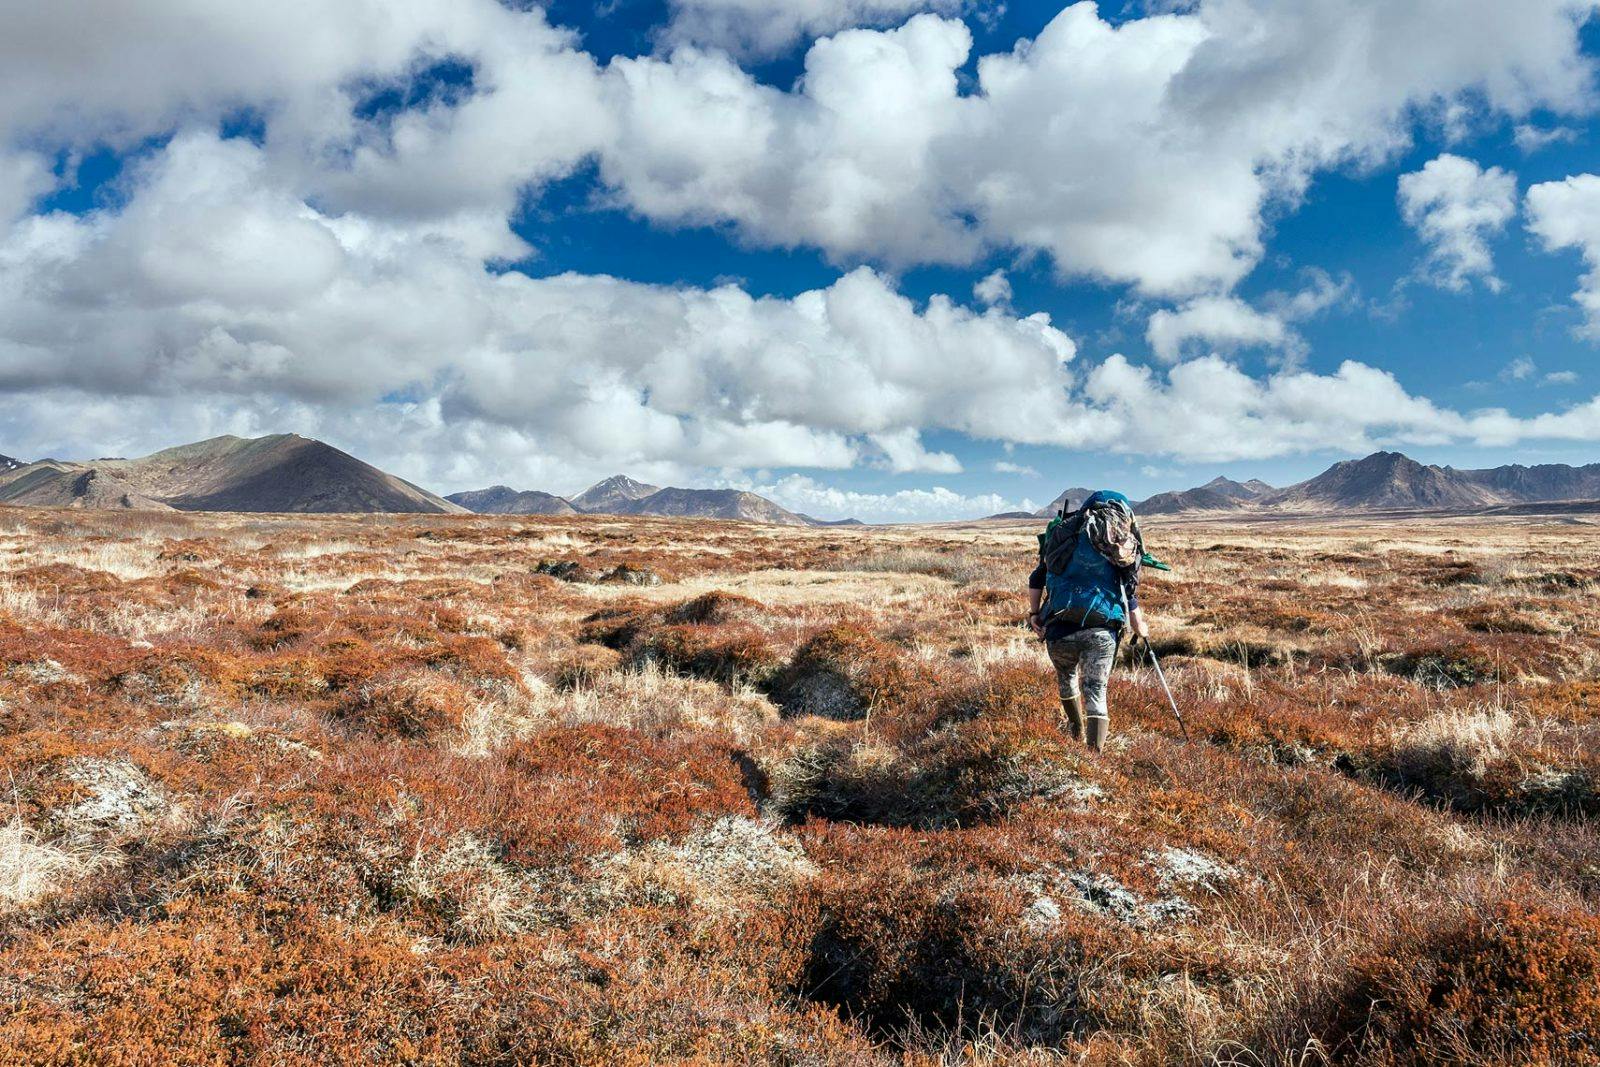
59 485
1099 893
117 799
42 672
1191 869
565 570
1069 500
1380 481
1042 914
1201 499
623 574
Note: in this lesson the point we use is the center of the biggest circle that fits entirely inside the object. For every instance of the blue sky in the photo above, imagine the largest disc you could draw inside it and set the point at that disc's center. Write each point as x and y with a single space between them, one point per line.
895 258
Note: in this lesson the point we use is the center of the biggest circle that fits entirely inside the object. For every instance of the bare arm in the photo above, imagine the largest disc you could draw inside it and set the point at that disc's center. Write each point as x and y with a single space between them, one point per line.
1137 623
1036 596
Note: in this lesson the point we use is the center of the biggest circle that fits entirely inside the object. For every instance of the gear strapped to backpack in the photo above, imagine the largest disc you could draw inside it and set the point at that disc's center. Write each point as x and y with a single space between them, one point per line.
1085 555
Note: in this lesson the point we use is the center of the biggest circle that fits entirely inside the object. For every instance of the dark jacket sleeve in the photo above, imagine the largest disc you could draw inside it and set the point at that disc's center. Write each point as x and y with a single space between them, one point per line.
1036 579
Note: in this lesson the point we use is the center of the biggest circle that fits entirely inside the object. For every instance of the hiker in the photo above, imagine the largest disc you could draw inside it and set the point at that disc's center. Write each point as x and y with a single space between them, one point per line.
1080 597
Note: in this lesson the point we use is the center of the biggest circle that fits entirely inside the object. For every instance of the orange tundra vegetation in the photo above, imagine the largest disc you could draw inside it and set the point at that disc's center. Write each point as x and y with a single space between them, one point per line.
496 790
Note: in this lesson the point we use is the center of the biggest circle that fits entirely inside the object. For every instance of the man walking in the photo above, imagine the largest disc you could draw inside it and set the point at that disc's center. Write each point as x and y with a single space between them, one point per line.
1080 597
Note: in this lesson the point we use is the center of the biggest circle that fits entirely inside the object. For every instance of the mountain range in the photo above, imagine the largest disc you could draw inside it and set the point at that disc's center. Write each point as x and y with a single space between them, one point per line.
621 495
1219 494
289 473
503 500
284 472
1389 480
1383 481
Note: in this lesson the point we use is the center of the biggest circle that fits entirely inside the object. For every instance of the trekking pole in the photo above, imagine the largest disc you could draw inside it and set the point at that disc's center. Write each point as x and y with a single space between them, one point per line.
1162 678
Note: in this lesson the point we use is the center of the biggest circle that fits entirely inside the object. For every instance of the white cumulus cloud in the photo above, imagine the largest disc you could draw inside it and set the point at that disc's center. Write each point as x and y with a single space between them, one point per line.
1223 322
1530 138
993 288
217 285
1227 323
903 453
1142 152
798 492
764 28
1209 409
1566 214
1458 207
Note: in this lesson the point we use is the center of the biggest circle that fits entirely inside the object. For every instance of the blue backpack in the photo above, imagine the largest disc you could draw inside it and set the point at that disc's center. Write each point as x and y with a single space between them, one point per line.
1083 587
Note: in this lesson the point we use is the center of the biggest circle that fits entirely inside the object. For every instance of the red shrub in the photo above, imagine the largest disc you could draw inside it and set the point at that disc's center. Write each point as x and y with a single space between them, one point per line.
577 790
1517 985
410 706
843 672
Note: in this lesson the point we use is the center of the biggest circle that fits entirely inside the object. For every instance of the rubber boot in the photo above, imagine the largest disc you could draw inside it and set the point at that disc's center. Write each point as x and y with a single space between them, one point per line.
1074 717
1099 727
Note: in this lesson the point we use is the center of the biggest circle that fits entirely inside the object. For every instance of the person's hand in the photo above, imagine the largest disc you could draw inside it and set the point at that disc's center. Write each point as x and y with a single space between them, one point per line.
1140 627
1034 624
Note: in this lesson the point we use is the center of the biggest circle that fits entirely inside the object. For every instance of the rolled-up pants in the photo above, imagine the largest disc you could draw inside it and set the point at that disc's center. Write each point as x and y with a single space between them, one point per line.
1083 661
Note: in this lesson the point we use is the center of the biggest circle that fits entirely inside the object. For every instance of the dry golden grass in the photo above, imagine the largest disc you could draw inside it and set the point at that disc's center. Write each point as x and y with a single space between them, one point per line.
389 789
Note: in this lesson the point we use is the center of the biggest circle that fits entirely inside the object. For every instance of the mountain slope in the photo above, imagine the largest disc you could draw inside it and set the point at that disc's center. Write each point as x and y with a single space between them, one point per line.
1069 499
1233 490
284 472
503 500
63 485
1382 481
607 496
1198 499
812 521
621 495
9 464
280 473
711 504
1546 481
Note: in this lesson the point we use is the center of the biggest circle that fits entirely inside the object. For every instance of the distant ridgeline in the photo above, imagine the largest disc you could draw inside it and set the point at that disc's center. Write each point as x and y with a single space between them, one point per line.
284 472
1384 481
621 495
289 473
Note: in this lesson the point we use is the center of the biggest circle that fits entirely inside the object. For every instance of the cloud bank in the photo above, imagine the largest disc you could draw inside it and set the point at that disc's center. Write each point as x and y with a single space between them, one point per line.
337 264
